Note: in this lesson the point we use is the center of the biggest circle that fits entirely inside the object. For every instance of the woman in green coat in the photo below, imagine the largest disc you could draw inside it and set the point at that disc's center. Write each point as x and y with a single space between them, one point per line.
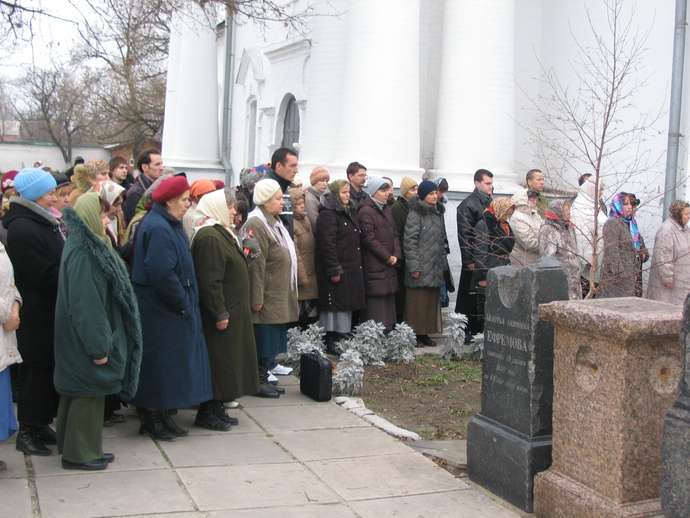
97 335
223 277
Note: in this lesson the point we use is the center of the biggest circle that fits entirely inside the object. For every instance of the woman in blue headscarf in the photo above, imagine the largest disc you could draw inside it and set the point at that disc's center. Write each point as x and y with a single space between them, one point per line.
622 247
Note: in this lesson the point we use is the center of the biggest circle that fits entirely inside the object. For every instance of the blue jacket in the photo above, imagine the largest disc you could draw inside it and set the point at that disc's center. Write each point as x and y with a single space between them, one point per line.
175 370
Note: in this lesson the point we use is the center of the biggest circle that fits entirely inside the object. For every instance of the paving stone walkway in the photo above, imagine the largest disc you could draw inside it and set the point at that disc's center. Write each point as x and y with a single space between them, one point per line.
288 458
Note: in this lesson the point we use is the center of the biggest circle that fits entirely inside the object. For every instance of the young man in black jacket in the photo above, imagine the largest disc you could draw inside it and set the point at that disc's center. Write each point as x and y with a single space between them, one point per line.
470 211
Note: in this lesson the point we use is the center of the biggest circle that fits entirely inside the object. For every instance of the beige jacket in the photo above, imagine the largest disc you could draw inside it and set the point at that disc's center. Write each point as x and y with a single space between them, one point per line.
8 295
670 264
525 222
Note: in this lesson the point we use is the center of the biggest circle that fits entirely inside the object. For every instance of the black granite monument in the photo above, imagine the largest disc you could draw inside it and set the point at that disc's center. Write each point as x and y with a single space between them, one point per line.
509 441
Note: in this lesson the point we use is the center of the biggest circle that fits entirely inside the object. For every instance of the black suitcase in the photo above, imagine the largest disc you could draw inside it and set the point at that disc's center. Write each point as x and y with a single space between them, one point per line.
316 377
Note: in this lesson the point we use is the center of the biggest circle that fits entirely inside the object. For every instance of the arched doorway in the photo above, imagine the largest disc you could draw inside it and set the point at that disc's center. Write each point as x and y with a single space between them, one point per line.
291 123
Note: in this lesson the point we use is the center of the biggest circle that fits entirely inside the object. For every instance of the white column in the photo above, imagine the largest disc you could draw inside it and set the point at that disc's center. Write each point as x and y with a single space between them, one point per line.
477 94
379 121
190 131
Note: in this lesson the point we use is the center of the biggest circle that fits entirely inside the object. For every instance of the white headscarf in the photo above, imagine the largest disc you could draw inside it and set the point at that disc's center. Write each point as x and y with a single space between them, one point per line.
213 210
110 191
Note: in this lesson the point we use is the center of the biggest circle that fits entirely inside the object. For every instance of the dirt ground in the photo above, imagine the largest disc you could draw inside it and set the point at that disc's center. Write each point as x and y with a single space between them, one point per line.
432 396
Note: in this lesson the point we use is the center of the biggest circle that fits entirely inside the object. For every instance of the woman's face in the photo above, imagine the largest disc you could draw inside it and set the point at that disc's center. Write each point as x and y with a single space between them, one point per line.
232 212
321 185
566 212
298 207
627 207
383 194
431 198
116 206
685 216
178 206
105 218
344 194
274 206
62 197
101 176
508 214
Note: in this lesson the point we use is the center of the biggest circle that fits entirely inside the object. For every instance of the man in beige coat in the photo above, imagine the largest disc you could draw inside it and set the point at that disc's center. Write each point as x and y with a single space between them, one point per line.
525 223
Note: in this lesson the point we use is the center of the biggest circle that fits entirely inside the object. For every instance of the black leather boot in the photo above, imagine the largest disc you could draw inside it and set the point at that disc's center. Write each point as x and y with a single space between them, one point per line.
206 418
267 391
31 444
46 434
171 425
218 409
151 424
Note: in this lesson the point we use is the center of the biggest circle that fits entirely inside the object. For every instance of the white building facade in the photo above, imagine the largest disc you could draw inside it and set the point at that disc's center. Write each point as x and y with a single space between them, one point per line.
411 87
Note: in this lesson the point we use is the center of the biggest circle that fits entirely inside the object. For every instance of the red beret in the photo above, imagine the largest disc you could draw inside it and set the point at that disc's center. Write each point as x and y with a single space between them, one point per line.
8 179
170 188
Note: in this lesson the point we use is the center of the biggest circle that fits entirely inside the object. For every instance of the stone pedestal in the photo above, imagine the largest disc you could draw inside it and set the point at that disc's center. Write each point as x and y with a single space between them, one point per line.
616 372
510 439
675 449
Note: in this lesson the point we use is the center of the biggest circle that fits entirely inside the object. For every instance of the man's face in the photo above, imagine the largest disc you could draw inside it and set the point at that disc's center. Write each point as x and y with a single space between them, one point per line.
155 168
289 170
537 182
359 179
119 173
486 185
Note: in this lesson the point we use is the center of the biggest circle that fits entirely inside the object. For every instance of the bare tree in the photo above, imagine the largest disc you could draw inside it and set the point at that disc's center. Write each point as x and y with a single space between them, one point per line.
587 128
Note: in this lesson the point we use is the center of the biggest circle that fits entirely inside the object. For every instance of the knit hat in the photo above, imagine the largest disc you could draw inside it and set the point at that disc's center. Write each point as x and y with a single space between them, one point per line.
8 180
201 187
374 183
33 183
319 173
264 190
406 184
170 188
425 188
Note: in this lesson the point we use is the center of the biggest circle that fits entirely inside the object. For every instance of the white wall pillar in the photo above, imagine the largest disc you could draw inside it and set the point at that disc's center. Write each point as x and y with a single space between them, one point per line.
477 91
379 121
190 131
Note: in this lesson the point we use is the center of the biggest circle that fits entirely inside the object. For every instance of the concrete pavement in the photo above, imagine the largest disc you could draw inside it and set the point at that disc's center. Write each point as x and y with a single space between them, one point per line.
288 458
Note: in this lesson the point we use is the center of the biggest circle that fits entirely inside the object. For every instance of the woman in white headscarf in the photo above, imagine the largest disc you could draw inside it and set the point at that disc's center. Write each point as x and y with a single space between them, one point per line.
272 273
586 209
114 194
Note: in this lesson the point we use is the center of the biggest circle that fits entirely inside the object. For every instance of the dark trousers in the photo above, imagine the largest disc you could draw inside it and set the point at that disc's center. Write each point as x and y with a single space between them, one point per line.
80 428
400 295
37 402
468 303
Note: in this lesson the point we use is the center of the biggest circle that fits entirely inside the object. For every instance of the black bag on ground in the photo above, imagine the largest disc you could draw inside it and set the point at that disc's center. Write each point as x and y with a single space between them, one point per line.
316 377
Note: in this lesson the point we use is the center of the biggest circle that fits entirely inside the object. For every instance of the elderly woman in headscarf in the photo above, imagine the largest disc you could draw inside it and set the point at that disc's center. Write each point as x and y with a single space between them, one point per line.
98 344
622 245
114 195
587 210
494 237
339 262
557 239
223 278
175 370
197 189
272 274
305 244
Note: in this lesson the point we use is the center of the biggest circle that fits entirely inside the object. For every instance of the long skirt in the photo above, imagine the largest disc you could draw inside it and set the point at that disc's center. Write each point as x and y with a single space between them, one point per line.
271 340
80 428
8 423
381 309
423 310
336 321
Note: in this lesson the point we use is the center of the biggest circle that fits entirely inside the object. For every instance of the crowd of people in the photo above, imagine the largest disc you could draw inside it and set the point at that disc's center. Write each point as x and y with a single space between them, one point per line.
149 291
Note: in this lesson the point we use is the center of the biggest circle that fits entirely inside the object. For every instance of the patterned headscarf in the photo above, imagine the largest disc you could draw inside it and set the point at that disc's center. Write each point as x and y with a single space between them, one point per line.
501 207
616 211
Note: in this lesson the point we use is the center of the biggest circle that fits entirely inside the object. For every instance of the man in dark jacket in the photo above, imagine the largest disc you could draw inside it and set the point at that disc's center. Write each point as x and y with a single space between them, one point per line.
284 164
34 245
470 211
357 176
150 165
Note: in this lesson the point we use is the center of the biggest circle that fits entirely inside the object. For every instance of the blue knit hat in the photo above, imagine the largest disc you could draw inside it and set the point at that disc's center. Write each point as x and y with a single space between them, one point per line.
426 187
33 183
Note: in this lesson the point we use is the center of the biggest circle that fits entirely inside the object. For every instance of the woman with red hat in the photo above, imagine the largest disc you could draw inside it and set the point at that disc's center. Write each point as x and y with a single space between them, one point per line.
175 370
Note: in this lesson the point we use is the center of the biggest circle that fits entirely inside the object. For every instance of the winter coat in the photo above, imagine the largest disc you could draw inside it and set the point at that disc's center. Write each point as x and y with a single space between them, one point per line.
223 277
400 210
338 247
270 277
305 243
312 202
582 215
469 213
379 242
175 368
96 316
557 240
34 245
424 247
9 294
494 245
620 265
670 264
134 194
525 223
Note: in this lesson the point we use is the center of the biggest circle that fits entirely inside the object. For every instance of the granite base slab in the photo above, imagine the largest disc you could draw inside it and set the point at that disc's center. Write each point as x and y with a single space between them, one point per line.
558 495
505 461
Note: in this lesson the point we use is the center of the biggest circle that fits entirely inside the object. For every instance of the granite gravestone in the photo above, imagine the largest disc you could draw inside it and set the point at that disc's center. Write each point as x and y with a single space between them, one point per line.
509 441
675 448
617 366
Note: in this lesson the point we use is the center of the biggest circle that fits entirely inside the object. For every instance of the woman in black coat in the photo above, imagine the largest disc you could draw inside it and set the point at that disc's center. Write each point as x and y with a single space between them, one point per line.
381 253
339 261
494 238
34 245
